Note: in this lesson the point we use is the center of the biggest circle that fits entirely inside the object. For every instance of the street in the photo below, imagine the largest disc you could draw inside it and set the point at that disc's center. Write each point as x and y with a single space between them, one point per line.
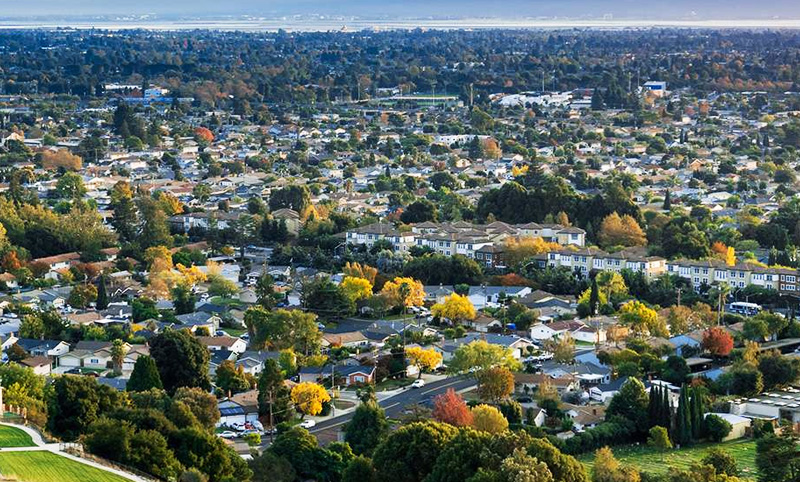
326 430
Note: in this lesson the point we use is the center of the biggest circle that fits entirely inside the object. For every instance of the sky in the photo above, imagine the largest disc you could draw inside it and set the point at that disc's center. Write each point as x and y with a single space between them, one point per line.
636 9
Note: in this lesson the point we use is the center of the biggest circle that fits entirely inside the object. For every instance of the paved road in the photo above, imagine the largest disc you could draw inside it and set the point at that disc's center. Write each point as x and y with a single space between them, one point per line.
395 405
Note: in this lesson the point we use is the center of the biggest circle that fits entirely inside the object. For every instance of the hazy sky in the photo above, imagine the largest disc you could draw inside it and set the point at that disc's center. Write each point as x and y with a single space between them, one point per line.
670 9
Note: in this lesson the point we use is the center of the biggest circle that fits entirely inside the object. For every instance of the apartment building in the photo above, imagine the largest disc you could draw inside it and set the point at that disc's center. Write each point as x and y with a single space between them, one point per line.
708 272
483 242
584 260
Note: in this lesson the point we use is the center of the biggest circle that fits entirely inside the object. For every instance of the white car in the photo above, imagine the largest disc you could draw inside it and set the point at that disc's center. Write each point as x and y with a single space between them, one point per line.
227 434
307 424
418 383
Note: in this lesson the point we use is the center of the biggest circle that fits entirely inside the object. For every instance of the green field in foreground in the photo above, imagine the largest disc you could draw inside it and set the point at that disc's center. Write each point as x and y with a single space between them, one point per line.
648 459
42 466
14 437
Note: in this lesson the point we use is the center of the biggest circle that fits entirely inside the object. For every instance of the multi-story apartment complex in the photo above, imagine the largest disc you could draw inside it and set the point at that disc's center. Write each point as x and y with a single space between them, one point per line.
698 272
482 242
585 260
708 272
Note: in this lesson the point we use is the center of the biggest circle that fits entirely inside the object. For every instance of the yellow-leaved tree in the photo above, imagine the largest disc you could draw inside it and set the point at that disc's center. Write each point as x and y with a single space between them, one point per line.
642 320
617 230
456 308
519 250
308 398
356 289
425 360
403 291
488 419
358 270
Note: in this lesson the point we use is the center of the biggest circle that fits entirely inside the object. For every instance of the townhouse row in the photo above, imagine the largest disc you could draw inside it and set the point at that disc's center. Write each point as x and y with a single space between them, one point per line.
698 272
482 242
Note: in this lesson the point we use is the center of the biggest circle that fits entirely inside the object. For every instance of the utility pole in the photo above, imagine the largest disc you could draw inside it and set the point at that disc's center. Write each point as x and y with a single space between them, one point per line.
679 295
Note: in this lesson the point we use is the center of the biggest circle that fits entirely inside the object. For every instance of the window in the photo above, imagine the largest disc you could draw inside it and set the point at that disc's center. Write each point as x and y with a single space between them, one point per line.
697 270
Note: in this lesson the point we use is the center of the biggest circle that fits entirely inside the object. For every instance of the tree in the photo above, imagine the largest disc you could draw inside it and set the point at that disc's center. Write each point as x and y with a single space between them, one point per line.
326 299
451 408
308 398
608 469
183 299
360 469
418 212
404 292
222 287
722 461
61 159
620 231
630 403
742 379
667 201
778 457
716 427
70 186
102 294
481 355
516 251
778 370
681 237
273 395
181 359
76 403
683 420
232 379
521 467
658 437
755 329
488 419
265 291
367 428
358 270
82 295
717 341
410 452
269 467
118 351
282 329
356 289
153 228
124 220
495 383
642 319
456 308
425 360
202 404
563 348
144 376
296 197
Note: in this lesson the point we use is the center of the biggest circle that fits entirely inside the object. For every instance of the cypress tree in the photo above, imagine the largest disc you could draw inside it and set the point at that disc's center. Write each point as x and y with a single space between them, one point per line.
654 406
683 420
697 415
667 201
102 295
666 408
144 376
594 298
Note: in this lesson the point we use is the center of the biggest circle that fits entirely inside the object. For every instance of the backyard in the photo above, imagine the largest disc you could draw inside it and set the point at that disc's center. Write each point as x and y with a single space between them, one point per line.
43 466
649 459
14 437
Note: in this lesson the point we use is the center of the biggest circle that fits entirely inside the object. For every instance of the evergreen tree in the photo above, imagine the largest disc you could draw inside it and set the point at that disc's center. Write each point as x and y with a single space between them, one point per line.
102 295
144 376
683 419
667 201
666 408
594 298
654 406
697 415
597 100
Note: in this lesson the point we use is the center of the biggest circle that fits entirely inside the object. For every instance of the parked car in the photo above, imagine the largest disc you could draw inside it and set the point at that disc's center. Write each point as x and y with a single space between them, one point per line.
307 424
418 383
220 333
227 434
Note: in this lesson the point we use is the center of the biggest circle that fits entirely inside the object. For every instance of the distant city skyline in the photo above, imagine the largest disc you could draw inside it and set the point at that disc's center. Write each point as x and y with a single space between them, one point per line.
514 9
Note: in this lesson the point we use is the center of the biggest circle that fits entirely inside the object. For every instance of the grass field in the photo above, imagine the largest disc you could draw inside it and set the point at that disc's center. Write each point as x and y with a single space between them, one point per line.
648 459
14 437
42 466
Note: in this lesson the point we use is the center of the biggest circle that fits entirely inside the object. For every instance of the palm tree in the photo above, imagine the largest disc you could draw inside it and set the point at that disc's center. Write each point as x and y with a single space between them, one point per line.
721 290
118 352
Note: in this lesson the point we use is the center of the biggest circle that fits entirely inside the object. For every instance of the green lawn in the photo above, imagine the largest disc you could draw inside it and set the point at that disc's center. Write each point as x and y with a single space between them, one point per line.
42 466
14 437
648 459
234 331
